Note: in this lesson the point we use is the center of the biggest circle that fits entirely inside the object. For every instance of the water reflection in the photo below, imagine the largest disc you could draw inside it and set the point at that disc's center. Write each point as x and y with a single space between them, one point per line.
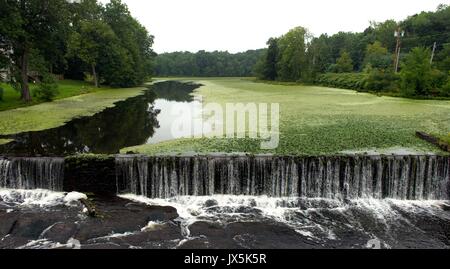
136 121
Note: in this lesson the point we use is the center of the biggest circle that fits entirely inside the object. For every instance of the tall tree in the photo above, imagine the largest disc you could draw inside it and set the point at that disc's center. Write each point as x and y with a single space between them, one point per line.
377 56
293 59
271 59
91 43
26 25
320 54
134 39
384 33
416 73
344 63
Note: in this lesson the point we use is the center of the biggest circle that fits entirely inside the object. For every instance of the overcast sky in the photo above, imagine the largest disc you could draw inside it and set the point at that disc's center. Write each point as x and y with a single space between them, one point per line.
239 25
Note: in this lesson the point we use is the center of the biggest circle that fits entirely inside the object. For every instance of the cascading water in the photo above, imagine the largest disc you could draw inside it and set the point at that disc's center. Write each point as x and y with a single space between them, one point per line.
32 173
412 177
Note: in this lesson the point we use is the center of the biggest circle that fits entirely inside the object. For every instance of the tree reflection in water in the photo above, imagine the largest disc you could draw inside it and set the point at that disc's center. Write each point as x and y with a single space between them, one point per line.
131 122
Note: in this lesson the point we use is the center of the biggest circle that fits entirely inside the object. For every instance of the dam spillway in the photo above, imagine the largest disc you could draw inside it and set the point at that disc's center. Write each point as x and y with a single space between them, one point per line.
408 177
341 177
198 196
32 173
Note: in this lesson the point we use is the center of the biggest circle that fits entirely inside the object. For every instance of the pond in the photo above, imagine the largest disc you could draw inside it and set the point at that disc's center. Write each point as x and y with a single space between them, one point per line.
145 119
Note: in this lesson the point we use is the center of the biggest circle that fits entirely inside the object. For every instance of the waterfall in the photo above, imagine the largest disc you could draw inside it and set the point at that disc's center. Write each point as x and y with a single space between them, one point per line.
32 173
341 177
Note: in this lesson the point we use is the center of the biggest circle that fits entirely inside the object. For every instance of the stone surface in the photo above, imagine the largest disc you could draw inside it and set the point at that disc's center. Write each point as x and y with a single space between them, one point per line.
60 232
90 174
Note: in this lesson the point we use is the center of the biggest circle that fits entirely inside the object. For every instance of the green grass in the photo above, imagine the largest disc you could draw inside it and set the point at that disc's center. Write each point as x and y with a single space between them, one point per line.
446 138
54 114
5 141
319 120
66 88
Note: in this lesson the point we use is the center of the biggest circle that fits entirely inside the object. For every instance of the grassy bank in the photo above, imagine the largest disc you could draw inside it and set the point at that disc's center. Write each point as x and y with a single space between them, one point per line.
50 115
66 88
320 120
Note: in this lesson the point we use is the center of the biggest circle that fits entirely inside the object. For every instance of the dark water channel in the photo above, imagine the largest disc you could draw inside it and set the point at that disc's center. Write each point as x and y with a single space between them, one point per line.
144 119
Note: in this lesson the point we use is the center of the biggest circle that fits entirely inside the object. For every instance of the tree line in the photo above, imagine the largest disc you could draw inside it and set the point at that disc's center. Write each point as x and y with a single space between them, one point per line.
423 57
207 64
77 39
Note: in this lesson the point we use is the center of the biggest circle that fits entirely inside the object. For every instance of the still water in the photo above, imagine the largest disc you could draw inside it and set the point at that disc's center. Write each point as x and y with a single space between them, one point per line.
145 119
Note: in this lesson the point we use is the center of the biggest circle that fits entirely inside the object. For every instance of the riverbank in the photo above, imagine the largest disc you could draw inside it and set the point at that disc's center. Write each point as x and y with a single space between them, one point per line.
53 114
66 88
318 120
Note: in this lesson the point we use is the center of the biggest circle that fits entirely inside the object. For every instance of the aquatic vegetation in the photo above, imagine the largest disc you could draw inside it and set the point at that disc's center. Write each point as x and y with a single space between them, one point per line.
5 141
319 120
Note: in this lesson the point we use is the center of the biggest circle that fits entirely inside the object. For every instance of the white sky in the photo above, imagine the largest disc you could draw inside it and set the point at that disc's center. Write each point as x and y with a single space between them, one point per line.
239 25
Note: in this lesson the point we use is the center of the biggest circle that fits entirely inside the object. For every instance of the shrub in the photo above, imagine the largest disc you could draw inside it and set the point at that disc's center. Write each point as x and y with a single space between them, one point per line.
417 73
438 82
47 89
354 81
445 90
380 80
1 94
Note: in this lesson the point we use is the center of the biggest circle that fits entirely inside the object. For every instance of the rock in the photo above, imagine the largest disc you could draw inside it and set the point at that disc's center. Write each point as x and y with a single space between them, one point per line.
90 174
31 226
104 246
161 213
12 242
197 243
90 208
208 229
260 235
60 232
445 207
156 213
7 223
119 216
211 203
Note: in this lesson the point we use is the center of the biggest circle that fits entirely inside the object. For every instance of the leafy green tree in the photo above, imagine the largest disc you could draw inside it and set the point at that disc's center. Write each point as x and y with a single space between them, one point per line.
384 33
377 56
271 59
27 25
91 43
344 64
319 54
425 28
416 74
292 64
378 63
443 58
85 10
135 41
216 63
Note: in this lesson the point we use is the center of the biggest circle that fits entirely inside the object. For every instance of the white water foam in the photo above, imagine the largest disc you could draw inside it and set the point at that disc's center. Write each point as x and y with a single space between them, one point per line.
46 244
39 198
312 218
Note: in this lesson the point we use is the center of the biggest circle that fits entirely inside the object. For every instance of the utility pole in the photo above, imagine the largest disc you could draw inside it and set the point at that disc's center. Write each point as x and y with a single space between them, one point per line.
398 34
432 53
397 61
